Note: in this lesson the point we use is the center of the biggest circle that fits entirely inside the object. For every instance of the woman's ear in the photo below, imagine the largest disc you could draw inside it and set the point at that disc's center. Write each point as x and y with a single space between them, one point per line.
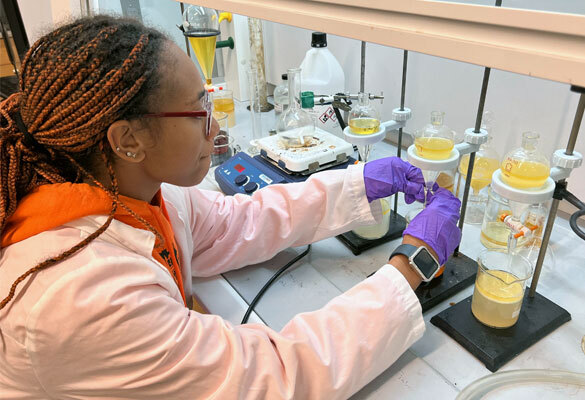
125 141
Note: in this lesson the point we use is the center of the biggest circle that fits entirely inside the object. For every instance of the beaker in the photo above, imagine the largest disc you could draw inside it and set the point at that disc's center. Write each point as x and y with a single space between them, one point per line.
499 287
223 100
377 230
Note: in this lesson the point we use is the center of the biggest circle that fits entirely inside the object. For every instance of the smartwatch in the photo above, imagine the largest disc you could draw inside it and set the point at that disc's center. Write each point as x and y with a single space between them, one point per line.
421 260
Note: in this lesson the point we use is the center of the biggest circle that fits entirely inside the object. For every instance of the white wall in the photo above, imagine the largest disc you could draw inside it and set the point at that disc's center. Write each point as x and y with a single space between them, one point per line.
519 103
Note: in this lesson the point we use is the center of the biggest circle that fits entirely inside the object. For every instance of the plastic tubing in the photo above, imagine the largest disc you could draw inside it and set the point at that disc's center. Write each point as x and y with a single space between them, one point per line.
476 390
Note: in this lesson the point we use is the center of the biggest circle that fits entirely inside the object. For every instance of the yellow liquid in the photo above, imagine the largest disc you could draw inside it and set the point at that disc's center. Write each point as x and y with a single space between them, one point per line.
433 148
364 126
524 174
497 302
203 44
226 105
494 235
483 170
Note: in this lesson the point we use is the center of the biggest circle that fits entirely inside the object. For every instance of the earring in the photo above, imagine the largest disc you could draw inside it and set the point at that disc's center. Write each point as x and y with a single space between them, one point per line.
117 149
130 154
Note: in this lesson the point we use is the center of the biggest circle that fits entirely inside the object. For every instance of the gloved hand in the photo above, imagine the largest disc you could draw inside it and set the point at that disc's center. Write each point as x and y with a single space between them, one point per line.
387 176
436 225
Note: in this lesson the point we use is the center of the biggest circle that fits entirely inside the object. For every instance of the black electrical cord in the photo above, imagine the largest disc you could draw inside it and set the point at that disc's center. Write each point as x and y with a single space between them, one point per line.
571 198
270 282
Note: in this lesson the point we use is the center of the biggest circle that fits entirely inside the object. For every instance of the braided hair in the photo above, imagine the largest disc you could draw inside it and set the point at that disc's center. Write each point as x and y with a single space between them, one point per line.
74 83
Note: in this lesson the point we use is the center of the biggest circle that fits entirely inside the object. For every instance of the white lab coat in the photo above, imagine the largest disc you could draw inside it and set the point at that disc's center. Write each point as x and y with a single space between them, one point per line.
109 322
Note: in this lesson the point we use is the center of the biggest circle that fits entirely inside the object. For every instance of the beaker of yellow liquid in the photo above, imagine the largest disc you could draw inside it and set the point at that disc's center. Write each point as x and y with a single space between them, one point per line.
526 167
223 101
435 141
499 287
201 27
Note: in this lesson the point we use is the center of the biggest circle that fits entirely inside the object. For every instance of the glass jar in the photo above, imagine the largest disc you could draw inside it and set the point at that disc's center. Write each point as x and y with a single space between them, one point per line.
435 141
281 97
364 119
526 167
295 127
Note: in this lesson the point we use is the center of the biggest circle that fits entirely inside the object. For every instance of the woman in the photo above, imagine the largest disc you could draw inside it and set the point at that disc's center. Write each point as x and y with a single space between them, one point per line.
97 255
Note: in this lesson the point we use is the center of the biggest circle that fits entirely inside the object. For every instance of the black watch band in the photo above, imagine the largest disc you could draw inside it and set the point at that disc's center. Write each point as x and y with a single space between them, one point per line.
420 259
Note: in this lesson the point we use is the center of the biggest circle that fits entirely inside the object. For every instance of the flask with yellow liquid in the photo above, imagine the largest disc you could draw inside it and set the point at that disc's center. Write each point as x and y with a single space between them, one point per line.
364 119
526 167
435 141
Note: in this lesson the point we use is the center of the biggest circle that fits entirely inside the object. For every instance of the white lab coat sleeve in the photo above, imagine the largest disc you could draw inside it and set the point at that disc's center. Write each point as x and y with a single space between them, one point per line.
233 231
120 335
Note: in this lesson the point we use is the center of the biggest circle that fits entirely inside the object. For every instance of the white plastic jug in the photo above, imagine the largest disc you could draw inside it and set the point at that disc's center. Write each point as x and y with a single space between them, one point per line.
321 73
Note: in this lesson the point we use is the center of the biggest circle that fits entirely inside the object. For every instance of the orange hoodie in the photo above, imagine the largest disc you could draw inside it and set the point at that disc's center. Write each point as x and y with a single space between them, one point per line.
50 206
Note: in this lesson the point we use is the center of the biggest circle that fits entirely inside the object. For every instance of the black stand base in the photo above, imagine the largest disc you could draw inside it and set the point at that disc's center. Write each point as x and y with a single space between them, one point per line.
459 273
495 347
357 244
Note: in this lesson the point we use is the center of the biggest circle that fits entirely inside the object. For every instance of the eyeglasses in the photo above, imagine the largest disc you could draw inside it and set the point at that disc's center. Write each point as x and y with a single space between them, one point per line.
206 113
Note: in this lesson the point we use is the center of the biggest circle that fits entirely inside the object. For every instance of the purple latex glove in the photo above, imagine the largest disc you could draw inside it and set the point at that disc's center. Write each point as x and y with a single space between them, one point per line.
387 176
436 225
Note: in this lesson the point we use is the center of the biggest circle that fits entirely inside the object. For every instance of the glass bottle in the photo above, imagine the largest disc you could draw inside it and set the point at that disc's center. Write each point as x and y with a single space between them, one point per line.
435 141
364 119
281 97
295 127
526 167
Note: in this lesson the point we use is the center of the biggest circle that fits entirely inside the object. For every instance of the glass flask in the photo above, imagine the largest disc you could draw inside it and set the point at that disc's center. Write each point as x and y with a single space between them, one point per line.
487 161
295 127
281 97
201 27
495 233
526 167
499 287
364 119
435 141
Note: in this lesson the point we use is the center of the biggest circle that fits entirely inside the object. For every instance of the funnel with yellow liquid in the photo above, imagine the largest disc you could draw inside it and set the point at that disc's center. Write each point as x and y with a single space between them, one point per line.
201 27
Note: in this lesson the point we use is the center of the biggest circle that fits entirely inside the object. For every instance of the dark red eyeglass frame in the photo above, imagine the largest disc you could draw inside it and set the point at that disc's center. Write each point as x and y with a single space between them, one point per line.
206 113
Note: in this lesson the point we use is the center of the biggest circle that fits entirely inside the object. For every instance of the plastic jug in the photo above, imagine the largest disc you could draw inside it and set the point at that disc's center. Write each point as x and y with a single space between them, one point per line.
321 73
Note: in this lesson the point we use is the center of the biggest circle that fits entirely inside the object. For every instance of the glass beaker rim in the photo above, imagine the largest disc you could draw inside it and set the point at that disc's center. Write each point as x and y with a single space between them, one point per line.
527 275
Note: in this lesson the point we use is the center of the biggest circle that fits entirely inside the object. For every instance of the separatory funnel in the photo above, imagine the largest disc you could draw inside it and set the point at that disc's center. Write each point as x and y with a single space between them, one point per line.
201 27
526 167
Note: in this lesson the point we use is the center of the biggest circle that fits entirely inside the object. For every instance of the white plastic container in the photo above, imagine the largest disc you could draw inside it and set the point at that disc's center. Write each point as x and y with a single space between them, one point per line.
321 73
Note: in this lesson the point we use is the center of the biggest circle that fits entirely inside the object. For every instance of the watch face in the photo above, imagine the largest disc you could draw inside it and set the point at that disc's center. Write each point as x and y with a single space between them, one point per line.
425 263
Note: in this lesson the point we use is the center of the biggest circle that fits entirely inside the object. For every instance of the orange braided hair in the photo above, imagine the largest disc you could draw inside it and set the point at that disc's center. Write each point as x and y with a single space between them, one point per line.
74 83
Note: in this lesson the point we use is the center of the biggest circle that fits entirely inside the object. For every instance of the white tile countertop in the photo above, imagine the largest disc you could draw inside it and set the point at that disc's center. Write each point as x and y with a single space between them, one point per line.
436 363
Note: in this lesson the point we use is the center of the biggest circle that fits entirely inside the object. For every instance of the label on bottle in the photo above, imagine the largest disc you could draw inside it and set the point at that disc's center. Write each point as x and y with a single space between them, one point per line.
326 119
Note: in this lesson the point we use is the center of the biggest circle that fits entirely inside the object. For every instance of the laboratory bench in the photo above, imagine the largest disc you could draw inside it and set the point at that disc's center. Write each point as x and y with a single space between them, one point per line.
435 365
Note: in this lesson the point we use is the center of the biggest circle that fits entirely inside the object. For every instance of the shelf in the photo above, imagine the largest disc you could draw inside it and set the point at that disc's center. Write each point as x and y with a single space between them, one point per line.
541 44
